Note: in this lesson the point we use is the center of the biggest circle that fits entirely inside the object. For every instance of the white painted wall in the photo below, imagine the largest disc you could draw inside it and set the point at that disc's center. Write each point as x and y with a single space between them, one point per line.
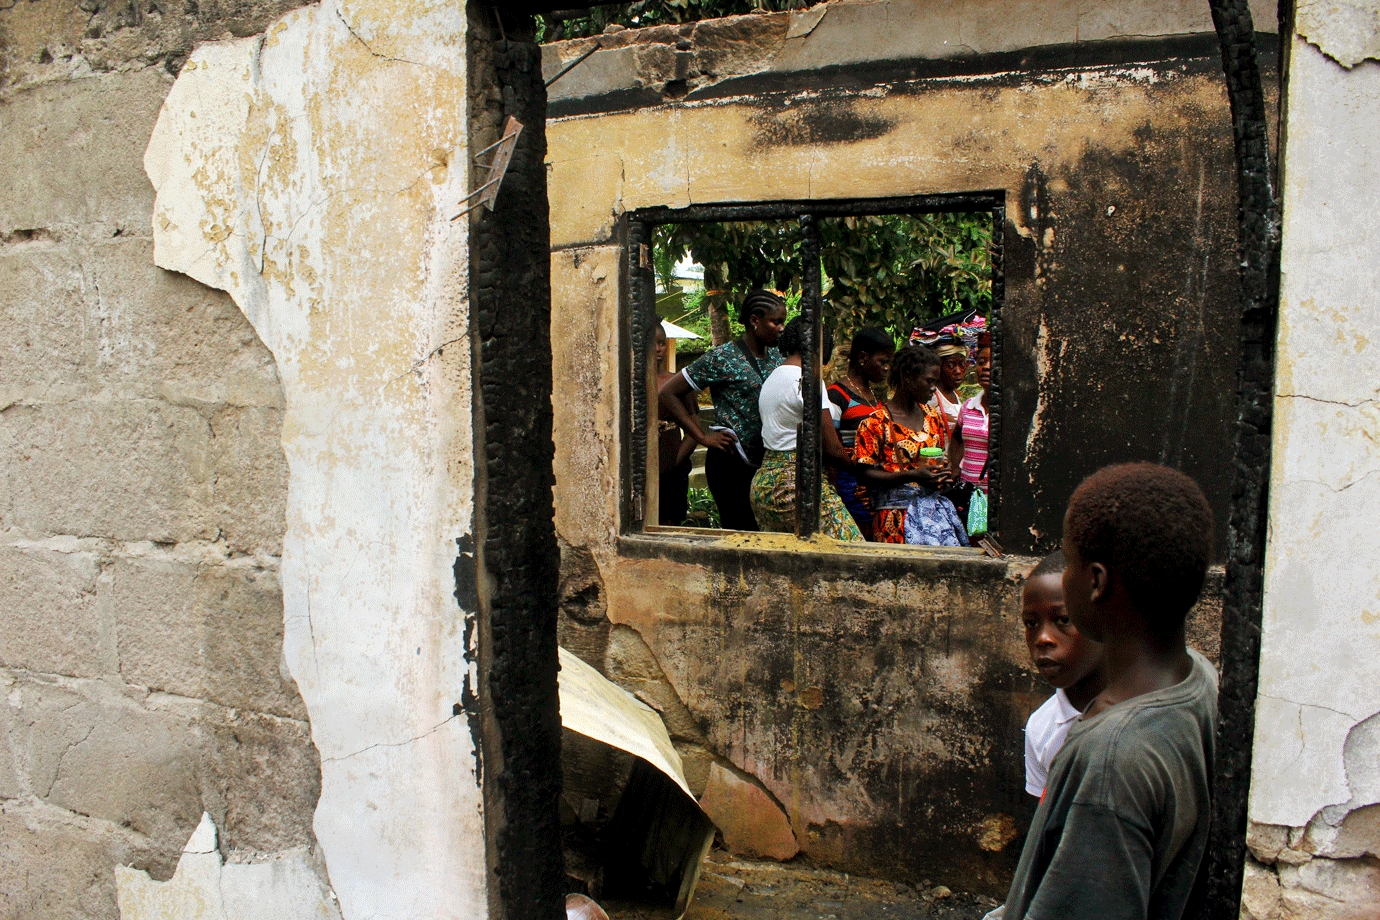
1317 742
308 173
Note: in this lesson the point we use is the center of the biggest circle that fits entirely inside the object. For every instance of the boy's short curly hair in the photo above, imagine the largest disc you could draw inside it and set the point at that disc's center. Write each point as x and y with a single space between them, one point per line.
1053 564
910 361
1153 527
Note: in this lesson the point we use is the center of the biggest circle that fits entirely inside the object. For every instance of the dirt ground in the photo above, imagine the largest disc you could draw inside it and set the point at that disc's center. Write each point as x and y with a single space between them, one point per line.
736 889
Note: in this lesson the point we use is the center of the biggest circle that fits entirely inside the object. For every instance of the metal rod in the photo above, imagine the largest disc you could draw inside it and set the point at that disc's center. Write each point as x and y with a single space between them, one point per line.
572 65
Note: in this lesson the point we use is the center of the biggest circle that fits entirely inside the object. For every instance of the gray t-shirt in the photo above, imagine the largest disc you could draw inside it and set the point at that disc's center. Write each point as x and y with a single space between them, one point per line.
1123 824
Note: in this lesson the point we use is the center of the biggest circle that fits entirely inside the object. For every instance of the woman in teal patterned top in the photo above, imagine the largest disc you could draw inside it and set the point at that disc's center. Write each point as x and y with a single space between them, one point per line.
734 373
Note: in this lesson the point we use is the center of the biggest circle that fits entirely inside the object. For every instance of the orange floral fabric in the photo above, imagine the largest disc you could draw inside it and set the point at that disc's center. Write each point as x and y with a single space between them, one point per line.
884 442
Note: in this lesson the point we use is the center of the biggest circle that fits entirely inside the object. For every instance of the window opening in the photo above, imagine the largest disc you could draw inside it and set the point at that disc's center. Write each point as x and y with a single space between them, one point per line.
836 268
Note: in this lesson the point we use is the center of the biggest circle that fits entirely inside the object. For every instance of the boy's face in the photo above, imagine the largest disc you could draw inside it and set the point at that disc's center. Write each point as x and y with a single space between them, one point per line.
1078 591
1060 653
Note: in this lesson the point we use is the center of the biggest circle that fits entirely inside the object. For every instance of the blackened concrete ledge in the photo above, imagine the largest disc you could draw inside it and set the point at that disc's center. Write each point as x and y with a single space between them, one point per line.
783 554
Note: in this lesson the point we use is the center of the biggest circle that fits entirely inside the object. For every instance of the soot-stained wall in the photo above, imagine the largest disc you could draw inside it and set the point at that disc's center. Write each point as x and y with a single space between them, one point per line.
878 696
1116 163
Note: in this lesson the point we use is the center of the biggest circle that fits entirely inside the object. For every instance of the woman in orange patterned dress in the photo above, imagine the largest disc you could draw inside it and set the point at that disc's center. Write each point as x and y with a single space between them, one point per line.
889 443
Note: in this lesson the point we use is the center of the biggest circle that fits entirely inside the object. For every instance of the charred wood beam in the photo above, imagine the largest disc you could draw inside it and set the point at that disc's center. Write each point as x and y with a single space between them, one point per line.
1258 243
807 481
516 554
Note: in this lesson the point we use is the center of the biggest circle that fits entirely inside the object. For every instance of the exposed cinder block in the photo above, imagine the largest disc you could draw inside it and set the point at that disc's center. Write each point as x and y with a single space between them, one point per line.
631 665
1360 833
205 632
287 886
74 155
738 44
59 867
127 471
48 329
93 749
52 621
105 322
163 334
251 476
261 777
1260 895
9 776
1330 889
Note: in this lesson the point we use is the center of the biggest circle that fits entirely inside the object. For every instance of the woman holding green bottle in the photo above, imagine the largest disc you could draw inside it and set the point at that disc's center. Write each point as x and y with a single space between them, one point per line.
900 457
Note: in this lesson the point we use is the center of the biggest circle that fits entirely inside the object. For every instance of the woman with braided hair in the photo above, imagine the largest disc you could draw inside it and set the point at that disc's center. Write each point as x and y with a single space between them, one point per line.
734 373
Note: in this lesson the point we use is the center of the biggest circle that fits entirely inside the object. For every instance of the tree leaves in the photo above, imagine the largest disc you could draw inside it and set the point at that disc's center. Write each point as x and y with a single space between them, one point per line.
894 271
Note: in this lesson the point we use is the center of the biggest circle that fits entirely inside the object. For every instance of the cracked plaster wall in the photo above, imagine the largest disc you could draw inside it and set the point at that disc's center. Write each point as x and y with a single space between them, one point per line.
1315 795
308 173
1115 154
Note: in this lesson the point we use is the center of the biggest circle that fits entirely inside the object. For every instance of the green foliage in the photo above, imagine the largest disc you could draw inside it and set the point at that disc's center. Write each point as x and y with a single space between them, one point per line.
899 270
894 271
702 510
737 256
584 23
695 315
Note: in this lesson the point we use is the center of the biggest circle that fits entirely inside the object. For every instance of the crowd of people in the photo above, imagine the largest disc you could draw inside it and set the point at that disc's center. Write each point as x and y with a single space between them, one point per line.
908 466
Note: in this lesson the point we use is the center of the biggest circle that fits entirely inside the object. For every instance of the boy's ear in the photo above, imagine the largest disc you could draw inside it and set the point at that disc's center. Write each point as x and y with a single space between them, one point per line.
1099 581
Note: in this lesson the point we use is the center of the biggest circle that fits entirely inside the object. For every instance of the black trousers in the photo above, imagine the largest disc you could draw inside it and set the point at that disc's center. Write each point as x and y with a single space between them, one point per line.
729 481
673 492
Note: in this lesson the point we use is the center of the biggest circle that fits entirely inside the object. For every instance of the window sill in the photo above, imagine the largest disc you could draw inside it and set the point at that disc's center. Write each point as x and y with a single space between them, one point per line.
829 558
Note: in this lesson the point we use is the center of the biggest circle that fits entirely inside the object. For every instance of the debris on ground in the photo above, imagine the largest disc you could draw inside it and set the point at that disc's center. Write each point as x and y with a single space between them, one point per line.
731 888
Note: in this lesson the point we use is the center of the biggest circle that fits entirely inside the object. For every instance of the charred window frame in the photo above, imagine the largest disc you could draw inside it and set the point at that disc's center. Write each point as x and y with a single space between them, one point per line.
639 495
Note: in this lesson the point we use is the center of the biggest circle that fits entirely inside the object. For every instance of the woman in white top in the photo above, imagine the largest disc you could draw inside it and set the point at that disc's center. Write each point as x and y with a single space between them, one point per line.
782 408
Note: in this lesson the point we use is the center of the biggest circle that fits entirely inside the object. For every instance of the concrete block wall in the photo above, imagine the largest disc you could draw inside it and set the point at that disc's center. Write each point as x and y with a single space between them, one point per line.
142 496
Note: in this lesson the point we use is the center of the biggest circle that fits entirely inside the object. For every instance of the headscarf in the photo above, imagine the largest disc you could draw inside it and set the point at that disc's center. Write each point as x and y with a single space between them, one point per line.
954 339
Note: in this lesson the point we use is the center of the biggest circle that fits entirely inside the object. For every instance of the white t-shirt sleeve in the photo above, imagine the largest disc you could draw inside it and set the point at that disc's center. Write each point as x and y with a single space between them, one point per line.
835 411
1045 732
1035 773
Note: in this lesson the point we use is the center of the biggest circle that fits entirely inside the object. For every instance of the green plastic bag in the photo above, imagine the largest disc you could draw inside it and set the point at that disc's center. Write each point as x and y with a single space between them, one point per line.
977 514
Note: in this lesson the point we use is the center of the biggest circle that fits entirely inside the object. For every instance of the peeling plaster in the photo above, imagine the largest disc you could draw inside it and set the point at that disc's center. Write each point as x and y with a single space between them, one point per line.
1347 31
308 173
1317 739
283 886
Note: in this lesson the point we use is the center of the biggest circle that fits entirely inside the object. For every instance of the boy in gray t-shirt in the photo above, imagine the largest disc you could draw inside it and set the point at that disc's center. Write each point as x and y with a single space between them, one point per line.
1123 825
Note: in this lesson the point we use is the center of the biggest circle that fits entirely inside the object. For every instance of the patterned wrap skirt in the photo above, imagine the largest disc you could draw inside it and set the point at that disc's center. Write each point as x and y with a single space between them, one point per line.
917 516
773 500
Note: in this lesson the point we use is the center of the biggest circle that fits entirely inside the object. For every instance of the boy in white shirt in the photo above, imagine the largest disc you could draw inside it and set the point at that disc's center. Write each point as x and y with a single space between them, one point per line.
1068 660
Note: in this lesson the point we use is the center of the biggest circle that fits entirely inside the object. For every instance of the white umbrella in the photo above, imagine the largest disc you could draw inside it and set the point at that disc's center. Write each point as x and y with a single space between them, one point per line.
676 332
